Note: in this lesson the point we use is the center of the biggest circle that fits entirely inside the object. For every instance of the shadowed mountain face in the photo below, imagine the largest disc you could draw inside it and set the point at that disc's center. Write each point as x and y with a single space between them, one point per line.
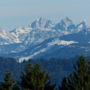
46 39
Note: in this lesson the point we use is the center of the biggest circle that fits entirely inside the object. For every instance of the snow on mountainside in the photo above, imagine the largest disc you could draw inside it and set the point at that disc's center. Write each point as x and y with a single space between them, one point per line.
61 42
45 37
45 49
5 37
20 33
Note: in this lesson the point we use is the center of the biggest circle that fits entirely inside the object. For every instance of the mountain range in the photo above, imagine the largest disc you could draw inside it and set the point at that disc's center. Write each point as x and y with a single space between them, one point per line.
46 39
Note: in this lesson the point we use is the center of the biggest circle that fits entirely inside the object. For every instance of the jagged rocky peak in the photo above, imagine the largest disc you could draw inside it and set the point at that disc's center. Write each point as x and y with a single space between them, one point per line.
82 26
41 23
67 21
48 24
35 23
64 24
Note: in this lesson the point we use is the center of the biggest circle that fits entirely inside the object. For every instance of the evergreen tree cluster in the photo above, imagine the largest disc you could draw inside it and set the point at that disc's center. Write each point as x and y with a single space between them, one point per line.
33 78
80 77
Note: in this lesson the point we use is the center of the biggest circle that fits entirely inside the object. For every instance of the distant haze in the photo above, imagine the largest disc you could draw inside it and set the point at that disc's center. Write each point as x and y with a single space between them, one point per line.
16 13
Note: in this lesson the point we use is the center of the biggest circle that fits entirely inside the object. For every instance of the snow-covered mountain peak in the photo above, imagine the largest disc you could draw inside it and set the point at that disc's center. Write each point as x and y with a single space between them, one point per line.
21 30
41 23
82 26
65 24
43 28
35 24
20 33
67 21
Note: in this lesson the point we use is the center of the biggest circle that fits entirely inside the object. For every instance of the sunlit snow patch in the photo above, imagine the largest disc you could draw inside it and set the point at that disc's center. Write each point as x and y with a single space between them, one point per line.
61 42
32 55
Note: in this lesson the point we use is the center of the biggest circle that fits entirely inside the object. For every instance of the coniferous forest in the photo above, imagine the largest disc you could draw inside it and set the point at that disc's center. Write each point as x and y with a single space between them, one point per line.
32 76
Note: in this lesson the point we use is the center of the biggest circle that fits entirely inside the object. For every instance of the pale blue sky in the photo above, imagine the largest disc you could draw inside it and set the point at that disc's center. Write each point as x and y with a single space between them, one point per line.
15 13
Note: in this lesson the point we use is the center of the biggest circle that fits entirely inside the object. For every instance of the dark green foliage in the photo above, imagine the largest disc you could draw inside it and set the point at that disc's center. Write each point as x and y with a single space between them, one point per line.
9 83
50 86
35 79
64 85
79 79
57 68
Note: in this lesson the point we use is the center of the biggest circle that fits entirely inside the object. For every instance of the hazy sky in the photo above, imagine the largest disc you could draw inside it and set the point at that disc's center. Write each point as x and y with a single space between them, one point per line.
15 13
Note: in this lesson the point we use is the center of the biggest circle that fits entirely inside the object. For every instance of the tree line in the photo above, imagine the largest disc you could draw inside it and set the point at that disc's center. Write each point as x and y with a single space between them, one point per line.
34 78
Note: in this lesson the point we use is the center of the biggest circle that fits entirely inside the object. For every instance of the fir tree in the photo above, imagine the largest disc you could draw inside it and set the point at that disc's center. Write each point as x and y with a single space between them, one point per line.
34 78
49 86
80 78
9 83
